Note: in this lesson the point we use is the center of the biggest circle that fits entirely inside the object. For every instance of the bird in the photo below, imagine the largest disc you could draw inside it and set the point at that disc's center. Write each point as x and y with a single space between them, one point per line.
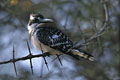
44 33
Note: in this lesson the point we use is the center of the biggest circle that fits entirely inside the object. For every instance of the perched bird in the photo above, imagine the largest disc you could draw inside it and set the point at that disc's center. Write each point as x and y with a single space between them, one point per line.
43 32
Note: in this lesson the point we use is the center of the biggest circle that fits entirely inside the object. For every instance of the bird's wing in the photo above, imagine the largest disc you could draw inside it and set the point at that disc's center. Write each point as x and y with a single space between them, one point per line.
54 38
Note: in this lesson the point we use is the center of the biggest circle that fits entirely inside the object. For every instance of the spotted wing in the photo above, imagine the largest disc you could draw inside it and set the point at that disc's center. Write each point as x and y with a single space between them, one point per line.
54 38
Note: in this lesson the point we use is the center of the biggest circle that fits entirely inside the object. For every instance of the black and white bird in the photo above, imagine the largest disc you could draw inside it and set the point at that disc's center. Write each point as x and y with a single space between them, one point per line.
43 33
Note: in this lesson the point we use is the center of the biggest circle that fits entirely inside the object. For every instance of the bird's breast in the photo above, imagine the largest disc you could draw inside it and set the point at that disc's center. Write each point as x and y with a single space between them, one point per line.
37 44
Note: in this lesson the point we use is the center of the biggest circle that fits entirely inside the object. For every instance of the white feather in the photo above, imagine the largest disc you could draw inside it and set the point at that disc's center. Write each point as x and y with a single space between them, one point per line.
31 17
55 36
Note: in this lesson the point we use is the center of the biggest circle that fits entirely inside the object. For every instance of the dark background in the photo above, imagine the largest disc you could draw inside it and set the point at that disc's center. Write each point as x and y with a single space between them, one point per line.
68 14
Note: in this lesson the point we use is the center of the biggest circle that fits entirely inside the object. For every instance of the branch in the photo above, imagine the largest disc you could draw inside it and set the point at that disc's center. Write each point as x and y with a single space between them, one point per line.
29 56
24 58
101 31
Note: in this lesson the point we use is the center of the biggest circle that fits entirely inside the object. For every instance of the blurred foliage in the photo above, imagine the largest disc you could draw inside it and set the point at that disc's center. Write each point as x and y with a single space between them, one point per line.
14 16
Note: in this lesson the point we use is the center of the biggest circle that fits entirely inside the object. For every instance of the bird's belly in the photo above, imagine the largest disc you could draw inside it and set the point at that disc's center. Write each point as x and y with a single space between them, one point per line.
44 48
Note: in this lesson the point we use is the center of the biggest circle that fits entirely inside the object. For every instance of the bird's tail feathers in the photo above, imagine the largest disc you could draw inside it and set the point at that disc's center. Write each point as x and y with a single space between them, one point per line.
78 53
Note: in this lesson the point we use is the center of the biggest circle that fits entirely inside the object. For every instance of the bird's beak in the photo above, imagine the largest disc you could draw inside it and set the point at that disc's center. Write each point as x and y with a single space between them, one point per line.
47 21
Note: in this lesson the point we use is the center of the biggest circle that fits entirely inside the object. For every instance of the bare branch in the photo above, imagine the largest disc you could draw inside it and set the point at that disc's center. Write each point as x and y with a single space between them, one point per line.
25 58
98 38
103 27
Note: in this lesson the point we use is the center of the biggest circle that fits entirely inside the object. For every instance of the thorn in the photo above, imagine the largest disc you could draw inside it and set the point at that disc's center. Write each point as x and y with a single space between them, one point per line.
31 66
14 62
46 63
44 58
59 59
28 47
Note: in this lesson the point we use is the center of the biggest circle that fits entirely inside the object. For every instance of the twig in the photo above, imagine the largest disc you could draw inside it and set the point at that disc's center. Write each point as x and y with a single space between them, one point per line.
100 32
55 58
83 38
98 38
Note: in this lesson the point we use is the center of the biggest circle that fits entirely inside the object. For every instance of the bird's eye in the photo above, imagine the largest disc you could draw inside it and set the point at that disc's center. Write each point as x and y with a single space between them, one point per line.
36 19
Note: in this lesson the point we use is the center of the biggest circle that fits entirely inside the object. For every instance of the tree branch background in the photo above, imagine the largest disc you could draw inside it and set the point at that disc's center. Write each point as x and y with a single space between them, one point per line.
80 19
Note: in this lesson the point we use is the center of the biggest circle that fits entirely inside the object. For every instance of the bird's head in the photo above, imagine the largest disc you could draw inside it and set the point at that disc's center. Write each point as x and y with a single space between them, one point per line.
38 19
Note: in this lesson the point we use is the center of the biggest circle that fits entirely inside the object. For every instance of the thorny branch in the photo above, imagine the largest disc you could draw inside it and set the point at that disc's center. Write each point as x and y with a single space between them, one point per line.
25 58
101 31
30 56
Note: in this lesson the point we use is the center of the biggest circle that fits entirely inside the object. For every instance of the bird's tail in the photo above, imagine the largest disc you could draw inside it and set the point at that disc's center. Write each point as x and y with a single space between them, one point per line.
77 53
